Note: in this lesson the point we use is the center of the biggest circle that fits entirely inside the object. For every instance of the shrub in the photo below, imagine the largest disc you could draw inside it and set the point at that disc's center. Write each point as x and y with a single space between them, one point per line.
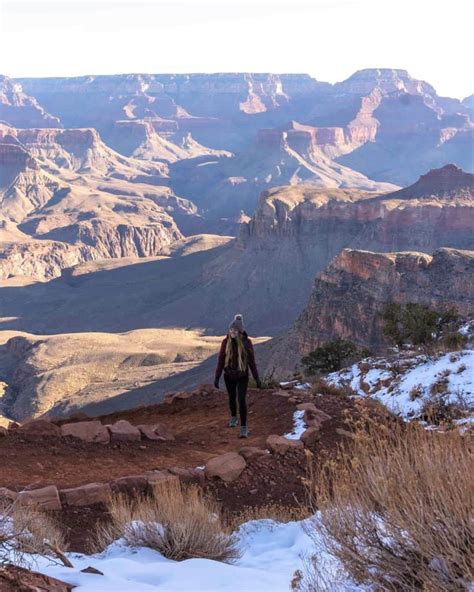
179 522
26 531
415 323
276 512
453 341
320 387
445 407
329 357
396 509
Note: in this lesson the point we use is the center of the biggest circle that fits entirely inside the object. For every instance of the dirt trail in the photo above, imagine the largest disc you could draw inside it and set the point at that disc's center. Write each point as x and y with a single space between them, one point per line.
199 424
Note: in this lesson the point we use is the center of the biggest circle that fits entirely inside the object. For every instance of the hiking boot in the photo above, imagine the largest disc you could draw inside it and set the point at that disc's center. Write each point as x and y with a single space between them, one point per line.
232 422
244 432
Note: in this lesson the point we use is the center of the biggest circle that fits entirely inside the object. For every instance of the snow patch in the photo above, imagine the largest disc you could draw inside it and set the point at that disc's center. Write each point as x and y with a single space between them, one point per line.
404 385
298 426
271 553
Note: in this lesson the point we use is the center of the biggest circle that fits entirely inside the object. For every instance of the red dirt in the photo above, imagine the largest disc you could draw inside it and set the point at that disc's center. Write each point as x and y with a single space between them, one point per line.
200 426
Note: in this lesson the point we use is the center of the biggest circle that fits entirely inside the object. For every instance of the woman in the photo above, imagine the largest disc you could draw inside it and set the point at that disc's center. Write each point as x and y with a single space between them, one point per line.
235 357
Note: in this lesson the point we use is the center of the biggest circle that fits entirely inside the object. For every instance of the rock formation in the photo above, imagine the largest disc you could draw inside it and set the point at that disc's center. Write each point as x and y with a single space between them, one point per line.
349 295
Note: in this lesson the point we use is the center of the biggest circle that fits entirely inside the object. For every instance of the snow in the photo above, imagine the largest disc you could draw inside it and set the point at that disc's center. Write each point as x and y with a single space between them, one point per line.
298 426
405 387
303 386
271 553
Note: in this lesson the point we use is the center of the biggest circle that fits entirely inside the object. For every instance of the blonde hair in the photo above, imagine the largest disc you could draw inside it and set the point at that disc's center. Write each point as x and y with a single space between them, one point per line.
241 352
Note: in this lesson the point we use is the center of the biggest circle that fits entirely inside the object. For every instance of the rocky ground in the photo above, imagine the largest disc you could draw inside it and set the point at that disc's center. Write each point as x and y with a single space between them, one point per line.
193 444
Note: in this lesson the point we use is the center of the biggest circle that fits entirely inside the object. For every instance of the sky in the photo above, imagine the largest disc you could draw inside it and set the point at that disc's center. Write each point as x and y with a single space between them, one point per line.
328 39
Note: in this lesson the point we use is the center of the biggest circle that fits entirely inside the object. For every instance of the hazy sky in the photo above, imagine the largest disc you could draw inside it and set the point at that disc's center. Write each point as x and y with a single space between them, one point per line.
329 39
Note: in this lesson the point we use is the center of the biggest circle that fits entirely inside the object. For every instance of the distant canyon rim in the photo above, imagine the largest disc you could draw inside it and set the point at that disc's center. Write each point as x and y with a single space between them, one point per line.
140 212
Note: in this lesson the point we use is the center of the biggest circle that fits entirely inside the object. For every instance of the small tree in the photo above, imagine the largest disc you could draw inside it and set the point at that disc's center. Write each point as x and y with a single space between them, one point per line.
329 357
415 323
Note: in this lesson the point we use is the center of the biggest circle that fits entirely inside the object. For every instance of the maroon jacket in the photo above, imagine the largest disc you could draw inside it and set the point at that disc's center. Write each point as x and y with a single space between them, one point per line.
234 361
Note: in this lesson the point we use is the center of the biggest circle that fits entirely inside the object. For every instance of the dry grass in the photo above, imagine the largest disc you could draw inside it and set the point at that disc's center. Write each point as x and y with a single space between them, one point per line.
180 522
276 512
320 387
396 510
26 531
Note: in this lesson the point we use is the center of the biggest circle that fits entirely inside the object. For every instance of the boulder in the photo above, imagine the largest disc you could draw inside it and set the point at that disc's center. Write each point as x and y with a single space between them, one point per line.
280 444
310 436
148 432
163 432
250 452
206 388
13 425
20 579
307 407
136 484
86 495
124 431
227 467
92 570
314 417
188 475
46 498
88 431
169 397
182 395
159 479
282 393
38 428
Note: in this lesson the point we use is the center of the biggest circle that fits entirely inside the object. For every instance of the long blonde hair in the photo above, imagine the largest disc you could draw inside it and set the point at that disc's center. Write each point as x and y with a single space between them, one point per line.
241 352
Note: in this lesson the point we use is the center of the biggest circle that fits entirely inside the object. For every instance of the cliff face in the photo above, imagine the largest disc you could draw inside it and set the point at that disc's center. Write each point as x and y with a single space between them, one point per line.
338 134
436 211
66 198
350 293
22 110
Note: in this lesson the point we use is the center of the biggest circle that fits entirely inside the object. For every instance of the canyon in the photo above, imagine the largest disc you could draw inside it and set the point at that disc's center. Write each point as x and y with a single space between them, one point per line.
139 212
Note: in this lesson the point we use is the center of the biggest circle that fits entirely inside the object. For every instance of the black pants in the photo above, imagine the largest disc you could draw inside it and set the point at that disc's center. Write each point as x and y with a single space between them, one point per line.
237 389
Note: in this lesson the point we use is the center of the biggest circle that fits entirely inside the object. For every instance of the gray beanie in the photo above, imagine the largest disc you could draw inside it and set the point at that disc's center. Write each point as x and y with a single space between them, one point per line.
237 323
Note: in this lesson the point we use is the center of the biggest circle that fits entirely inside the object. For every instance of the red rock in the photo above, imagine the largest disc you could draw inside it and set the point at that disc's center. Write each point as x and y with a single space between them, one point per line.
13 425
88 431
86 495
148 432
182 395
310 436
3 432
280 444
227 467
124 431
250 452
136 484
314 417
38 428
46 498
306 407
187 475
19 579
163 432
159 479
92 570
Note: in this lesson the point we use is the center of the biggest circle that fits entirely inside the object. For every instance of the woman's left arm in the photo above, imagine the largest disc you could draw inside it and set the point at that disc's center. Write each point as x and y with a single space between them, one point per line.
251 360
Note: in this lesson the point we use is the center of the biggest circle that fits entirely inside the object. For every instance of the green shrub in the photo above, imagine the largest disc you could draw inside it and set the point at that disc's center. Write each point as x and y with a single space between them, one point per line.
329 357
415 323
